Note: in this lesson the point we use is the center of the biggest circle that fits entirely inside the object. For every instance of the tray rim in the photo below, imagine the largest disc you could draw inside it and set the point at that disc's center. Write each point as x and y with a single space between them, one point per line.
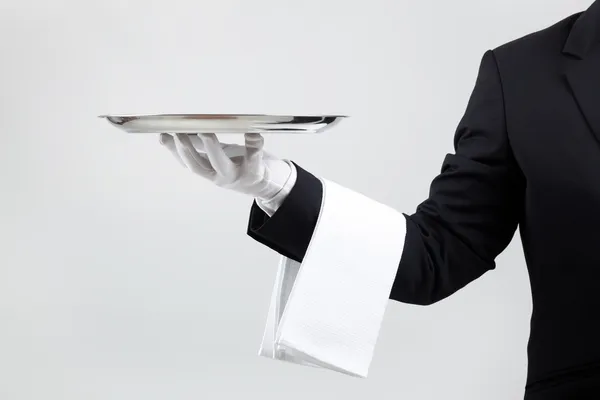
167 115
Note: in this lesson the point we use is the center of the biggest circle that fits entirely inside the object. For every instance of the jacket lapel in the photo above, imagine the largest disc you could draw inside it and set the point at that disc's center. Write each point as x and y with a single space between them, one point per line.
583 74
584 78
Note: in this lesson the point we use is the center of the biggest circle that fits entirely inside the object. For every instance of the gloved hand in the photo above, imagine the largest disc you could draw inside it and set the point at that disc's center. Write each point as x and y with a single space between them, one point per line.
246 169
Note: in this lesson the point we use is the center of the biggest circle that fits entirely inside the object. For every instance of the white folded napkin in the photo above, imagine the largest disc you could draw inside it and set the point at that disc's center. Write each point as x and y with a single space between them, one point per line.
327 312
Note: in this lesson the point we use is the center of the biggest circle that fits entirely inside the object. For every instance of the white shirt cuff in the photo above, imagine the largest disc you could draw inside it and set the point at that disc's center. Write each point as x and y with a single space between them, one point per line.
271 206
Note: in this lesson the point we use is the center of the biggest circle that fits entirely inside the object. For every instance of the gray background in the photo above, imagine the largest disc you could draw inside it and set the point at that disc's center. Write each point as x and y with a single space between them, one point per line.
123 276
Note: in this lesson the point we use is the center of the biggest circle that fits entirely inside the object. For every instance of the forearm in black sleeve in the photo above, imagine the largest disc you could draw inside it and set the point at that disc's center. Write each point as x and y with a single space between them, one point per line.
453 238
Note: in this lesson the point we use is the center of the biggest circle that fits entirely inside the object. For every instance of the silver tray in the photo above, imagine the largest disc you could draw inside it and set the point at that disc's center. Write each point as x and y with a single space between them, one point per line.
222 123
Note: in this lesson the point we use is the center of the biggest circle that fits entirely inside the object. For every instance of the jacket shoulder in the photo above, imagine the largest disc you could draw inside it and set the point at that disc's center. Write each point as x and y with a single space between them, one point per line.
549 40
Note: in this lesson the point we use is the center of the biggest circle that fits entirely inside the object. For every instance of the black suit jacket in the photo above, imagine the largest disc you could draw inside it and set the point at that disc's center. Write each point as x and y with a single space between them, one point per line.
527 155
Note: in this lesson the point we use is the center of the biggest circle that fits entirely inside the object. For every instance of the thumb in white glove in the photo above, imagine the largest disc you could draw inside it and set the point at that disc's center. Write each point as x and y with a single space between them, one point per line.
246 169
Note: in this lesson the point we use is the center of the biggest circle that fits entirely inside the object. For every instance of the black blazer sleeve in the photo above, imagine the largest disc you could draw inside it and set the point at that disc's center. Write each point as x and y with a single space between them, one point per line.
471 215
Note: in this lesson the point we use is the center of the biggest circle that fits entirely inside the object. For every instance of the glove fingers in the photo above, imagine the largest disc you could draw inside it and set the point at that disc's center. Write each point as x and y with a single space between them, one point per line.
190 157
197 142
254 149
221 163
234 152
167 141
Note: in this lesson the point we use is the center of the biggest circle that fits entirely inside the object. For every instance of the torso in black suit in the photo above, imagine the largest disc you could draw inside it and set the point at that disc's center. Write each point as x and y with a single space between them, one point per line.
527 154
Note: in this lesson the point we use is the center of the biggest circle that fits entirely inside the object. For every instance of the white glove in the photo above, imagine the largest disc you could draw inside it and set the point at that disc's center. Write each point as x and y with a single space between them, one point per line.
246 169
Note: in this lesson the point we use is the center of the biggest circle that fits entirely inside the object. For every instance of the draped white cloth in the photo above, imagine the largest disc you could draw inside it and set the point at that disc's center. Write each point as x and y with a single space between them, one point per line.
327 311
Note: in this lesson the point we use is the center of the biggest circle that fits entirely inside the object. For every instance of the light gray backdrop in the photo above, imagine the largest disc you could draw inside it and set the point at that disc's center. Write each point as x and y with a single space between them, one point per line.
123 276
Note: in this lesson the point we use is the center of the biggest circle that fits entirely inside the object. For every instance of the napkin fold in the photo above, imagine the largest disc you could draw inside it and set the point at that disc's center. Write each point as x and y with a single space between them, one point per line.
327 311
